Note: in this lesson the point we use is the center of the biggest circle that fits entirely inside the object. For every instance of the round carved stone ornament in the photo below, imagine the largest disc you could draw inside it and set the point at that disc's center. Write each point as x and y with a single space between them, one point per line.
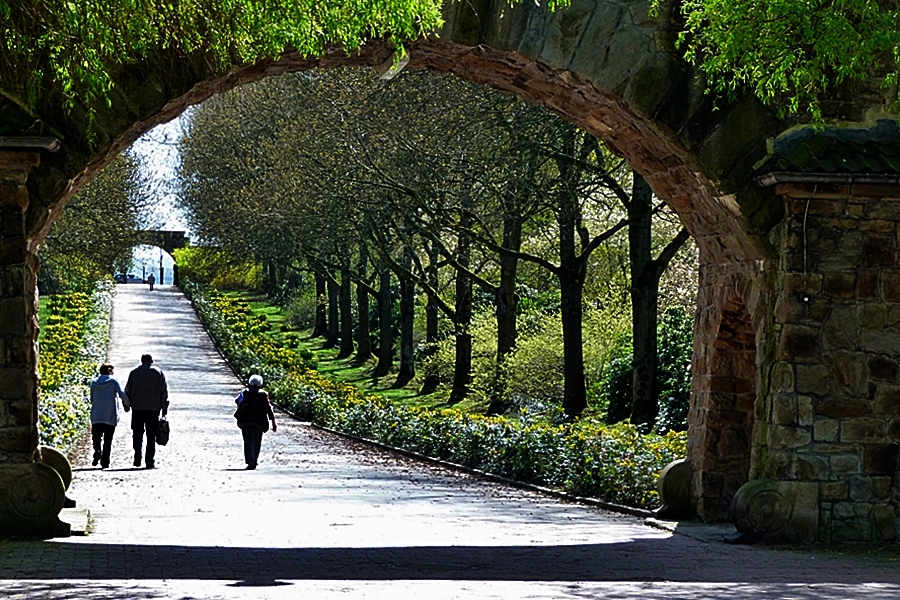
37 492
58 461
759 508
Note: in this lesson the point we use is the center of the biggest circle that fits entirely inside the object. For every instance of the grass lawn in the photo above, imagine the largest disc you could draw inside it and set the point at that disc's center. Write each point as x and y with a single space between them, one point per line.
344 370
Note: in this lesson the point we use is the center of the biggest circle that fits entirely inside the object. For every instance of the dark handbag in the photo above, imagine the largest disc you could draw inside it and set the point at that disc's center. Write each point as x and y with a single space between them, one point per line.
243 410
162 432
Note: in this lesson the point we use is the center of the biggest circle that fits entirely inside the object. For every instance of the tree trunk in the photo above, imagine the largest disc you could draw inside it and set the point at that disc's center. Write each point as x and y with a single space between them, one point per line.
333 321
321 326
432 316
462 369
363 343
575 395
346 308
507 301
407 318
385 337
644 297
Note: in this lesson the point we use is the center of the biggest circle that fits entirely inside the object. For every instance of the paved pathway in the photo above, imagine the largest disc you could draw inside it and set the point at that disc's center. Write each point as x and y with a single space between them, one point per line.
328 518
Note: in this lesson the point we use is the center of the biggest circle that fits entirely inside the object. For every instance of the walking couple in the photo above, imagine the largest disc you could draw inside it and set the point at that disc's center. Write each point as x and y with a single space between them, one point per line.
145 395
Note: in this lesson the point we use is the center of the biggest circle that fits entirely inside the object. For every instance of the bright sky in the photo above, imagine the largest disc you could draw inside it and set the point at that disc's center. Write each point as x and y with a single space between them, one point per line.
158 152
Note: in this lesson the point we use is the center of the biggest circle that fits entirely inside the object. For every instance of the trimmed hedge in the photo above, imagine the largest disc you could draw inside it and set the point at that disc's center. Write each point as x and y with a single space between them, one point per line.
588 458
74 341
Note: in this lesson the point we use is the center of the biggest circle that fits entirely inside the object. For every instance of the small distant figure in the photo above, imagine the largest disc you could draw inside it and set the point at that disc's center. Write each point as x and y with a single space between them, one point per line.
105 412
149 394
151 280
253 415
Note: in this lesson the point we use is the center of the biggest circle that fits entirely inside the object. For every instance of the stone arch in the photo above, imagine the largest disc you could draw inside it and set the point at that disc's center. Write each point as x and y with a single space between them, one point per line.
607 66
722 414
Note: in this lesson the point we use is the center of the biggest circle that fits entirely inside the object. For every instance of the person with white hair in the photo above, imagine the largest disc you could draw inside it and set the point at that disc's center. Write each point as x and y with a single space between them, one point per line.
253 415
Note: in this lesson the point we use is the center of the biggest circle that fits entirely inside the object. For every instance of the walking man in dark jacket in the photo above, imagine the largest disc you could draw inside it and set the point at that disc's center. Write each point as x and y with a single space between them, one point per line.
146 388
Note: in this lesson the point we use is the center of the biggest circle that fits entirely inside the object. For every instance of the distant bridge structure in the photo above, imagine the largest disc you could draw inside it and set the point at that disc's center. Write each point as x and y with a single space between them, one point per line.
168 241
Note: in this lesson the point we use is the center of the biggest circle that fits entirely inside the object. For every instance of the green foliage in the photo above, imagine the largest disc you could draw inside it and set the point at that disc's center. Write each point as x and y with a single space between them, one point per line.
586 458
73 342
789 53
80 46
675 346
217 268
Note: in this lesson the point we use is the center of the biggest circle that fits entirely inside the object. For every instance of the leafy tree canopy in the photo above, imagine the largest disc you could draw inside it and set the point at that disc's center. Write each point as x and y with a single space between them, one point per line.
792 53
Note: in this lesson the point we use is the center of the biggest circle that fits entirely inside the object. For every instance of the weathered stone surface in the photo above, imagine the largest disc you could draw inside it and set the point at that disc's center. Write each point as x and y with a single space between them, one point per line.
879 342
839 331
863 431
843 408
867 286
887 400
882 368
890 285
784 410
782 378
834 491
844 464
884 523
814 379
810 468
882 458
788 437
826 430
840 285
799 344
850 374
872 316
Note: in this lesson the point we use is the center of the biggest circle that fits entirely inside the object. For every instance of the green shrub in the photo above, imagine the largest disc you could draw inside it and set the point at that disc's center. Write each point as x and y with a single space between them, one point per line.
589 458
673 378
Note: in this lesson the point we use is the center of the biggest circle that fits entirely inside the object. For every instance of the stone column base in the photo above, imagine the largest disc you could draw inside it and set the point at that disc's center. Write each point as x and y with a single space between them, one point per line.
31 498
776 512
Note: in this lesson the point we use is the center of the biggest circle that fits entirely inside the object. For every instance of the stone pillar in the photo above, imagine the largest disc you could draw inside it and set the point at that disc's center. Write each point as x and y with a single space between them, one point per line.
829 447
18 315
723 395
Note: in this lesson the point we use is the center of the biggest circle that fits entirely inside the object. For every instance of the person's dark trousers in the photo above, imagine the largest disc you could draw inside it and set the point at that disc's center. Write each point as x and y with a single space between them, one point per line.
144 420
102 432
252 433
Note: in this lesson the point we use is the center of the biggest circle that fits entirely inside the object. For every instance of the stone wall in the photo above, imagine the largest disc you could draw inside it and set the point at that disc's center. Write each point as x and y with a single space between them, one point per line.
18 315
832 403
724 386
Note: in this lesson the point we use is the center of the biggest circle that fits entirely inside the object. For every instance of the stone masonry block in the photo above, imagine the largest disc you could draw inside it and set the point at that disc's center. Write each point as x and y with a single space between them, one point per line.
879 342
841 285
884 523
16 382
860 488
825 430
867 285
845 464
814 379
882 368
864 431
805 412
893 316
784 409
781 437
872 316
850 373
12 316
844 408
799 344
879 251
839 330
882 487
887 400
809 468
882 459
894 430
890 285
834 491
